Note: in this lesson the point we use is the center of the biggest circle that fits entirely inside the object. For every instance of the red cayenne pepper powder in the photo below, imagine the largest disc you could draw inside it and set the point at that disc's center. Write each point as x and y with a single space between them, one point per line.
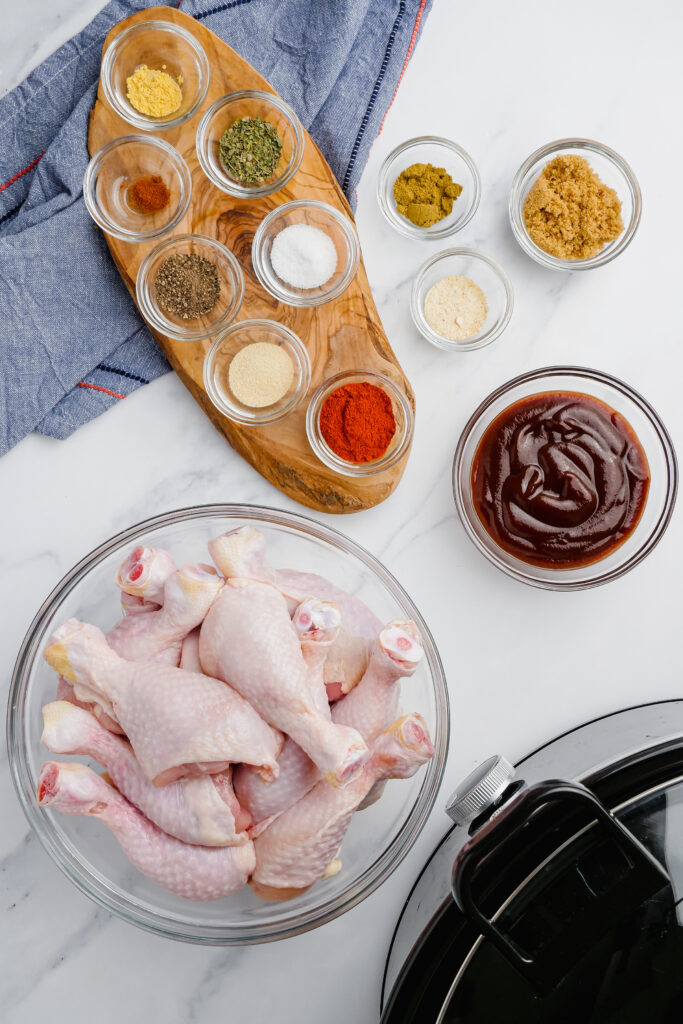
357 422
149 195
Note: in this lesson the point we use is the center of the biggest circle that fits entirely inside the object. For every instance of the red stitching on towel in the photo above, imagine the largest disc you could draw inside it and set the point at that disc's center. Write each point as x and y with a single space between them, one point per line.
22 172
411 47
95 387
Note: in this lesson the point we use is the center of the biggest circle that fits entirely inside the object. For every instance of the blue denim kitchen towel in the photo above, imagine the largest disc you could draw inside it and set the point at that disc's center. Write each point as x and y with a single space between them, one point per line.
72 342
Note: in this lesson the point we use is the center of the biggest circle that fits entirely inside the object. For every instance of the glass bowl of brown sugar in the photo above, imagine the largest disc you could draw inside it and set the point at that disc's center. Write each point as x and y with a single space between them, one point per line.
189 287
137 188
607 210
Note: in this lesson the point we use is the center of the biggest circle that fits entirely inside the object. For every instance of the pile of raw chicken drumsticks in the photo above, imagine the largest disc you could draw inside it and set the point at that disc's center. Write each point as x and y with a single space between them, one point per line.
242 716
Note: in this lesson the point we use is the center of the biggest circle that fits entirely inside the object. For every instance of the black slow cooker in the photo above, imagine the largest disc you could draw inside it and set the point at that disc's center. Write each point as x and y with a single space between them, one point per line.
557 894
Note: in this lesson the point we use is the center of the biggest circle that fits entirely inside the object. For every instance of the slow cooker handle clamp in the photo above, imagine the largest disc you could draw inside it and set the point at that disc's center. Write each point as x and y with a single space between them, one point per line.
512 819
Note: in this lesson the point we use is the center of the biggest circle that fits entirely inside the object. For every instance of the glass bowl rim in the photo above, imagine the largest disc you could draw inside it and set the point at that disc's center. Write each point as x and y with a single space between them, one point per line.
155 316
251 191
109 226
487 337
516 201
283 294
379 870
322 450
297 398
402 224
523 571
132 116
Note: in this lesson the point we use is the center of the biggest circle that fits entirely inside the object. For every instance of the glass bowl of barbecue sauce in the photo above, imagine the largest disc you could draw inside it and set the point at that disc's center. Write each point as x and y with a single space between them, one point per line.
565 478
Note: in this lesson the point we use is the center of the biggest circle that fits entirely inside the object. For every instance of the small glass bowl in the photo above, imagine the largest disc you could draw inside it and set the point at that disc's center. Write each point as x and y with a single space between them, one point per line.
319 215
481 269
400 442
649 430
428 149
115 167
159 45
610 168
225 310
249 103
225 348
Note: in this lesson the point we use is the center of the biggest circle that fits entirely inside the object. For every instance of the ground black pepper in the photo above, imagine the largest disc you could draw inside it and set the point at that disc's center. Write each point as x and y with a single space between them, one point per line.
187 285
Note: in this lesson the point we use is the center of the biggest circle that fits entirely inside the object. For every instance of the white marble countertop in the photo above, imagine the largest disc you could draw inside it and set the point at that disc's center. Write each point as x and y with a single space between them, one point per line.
522 664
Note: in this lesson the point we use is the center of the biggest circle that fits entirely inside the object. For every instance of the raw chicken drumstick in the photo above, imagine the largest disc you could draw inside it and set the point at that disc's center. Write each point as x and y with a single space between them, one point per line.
369 708
317 624
248 640
65 691
193 872
294 851
373 704
151 569
242 553
178 723
193 810
159 635
144 572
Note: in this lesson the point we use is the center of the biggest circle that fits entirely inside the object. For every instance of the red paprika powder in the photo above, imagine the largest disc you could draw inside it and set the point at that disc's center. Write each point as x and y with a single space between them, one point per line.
149 195
357 422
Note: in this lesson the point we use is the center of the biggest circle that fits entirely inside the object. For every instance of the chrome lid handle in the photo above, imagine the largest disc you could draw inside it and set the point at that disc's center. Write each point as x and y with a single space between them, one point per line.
480 790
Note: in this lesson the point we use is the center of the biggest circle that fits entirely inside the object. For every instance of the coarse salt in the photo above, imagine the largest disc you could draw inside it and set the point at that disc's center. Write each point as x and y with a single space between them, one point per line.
303 256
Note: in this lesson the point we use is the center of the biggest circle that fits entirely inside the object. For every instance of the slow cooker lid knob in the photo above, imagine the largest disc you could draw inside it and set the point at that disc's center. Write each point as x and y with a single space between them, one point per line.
480 790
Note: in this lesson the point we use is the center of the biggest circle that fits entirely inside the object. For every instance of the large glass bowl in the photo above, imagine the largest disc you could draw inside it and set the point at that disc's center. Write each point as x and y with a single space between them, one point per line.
649 430
88 854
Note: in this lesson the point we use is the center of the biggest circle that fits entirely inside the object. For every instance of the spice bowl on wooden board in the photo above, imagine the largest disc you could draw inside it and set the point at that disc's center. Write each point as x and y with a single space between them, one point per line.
250 143
257 372
189 287
155 75
565 478
305 253
137 188
461 300
574 204
423 196
359 423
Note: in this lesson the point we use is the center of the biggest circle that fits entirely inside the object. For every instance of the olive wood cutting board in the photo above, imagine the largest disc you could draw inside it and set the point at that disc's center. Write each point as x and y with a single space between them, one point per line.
344 334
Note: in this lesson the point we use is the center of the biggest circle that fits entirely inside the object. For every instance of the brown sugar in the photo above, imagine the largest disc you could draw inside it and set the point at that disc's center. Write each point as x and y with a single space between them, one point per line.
569 212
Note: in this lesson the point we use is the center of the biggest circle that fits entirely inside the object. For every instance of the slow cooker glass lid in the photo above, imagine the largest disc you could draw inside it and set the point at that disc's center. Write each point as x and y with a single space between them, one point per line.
629 972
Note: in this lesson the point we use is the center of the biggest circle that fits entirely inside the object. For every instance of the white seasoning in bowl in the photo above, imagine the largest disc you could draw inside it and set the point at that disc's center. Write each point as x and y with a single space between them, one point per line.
456 308
303 256
260 374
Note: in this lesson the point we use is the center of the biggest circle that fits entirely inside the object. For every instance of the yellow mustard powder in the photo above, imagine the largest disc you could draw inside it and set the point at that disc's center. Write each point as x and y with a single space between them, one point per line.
154 93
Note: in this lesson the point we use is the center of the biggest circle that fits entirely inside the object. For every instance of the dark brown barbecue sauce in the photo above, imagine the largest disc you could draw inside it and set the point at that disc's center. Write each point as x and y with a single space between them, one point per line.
560 480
